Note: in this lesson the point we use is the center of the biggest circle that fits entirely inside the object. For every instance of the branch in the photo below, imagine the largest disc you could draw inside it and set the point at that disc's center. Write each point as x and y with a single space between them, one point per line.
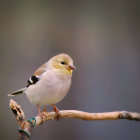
26 126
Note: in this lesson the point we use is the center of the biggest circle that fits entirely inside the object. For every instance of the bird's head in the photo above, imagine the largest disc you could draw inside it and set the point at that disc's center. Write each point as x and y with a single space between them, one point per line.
62 62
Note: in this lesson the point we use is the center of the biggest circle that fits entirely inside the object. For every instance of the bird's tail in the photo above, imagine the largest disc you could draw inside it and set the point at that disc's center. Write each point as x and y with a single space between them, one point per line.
20 91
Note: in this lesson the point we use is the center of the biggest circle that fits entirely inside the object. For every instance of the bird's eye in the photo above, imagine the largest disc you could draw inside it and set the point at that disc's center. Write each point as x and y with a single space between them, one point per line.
63 62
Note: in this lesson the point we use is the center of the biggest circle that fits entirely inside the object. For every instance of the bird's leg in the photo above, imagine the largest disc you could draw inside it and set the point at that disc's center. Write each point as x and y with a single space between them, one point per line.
41 114
56 111
44 109
39 110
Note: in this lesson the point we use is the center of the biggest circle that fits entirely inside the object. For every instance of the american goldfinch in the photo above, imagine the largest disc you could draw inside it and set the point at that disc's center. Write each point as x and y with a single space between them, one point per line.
50 83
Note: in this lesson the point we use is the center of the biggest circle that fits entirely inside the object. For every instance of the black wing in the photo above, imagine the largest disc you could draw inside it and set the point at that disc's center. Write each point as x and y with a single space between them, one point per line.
32 80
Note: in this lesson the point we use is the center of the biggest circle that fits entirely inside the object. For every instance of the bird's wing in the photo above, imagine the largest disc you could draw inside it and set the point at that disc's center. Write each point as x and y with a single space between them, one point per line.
36 76
32 80
40 70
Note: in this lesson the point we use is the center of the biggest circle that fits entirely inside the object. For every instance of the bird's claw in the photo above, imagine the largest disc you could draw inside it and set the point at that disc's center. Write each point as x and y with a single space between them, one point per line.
56 110
42 114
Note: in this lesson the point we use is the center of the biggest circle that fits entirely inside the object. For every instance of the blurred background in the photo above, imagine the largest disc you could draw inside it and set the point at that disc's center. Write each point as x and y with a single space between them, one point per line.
102 37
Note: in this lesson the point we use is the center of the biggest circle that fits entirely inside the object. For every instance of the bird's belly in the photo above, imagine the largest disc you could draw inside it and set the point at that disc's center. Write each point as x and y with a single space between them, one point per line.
46 93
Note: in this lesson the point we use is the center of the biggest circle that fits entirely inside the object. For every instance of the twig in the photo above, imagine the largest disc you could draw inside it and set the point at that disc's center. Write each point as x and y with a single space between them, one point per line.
26 126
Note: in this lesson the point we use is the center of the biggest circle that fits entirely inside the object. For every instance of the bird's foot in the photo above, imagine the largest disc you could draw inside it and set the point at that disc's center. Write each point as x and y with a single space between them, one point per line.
56 111
42 114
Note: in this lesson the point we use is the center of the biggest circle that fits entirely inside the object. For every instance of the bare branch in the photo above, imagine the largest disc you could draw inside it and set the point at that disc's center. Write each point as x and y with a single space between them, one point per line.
26 126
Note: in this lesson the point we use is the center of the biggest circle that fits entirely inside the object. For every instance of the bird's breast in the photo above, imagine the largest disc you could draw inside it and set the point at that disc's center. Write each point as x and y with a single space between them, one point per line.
50 89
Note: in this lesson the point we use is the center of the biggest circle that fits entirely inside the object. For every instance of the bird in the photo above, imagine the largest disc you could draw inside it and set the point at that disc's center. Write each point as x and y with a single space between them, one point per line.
50 83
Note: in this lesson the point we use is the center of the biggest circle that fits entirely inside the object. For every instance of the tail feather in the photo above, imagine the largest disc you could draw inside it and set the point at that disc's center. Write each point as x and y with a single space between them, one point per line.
20 91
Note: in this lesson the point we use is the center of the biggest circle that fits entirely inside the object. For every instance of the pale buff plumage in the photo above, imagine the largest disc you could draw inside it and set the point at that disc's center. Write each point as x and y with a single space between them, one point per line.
54 81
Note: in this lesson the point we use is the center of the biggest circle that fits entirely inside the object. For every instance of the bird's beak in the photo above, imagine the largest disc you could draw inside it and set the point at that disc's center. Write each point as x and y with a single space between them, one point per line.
71 67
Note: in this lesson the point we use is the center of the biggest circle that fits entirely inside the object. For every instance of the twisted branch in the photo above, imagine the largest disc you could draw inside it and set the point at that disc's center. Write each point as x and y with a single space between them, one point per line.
26 126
